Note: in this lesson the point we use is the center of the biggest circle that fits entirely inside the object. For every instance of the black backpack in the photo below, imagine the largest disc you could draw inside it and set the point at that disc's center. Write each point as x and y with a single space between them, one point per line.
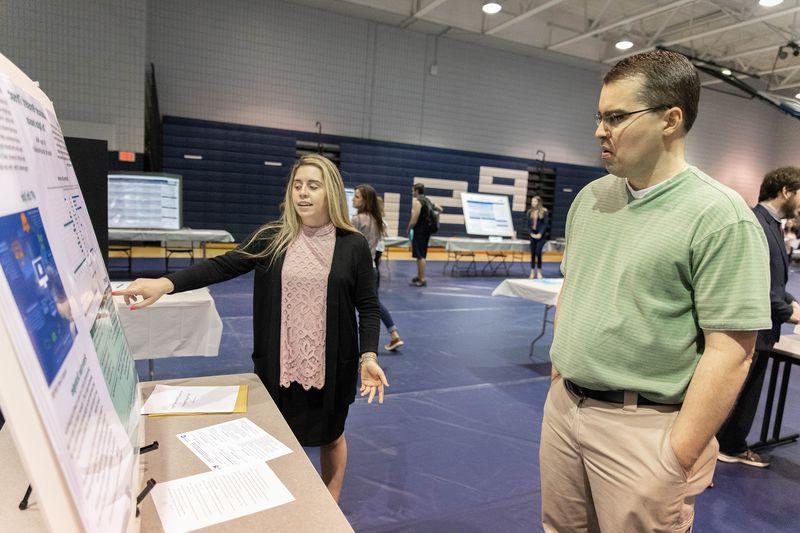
431 220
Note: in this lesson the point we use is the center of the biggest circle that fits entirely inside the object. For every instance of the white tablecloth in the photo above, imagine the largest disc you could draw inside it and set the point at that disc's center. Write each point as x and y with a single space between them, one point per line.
557 245
395 241
789 345
177 325
470 244
184 234
539 290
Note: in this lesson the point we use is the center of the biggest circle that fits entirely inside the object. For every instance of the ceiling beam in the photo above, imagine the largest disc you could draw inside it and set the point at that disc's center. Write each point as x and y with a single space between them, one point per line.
421 12
652 40
788 78
762 73
790 86
522 16
622 22
600 15
714 31
736 55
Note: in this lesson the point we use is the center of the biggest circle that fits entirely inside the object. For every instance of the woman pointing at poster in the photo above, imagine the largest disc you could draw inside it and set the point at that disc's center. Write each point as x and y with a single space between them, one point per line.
313 270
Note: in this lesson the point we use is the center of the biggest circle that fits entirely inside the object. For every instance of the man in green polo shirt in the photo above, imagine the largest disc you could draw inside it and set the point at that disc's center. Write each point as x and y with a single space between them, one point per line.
654 336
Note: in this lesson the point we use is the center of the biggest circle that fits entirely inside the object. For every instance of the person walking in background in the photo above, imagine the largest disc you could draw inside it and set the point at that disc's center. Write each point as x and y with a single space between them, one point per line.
422 210
778 198
313 270
538 218
369 221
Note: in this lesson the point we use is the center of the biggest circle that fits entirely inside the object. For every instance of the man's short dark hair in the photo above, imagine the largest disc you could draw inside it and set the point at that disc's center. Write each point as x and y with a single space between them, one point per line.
419 188
668 79
775 181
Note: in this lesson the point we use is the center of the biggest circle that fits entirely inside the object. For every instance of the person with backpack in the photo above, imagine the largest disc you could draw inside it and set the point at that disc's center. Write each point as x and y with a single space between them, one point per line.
424 221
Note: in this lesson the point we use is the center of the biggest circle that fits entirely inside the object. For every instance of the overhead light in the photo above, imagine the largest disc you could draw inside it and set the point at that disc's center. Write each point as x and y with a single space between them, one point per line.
492 8
624 44
727 71
770 3
797 96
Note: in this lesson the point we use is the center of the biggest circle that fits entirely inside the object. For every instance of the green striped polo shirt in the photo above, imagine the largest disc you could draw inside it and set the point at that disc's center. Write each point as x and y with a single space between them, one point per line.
644 277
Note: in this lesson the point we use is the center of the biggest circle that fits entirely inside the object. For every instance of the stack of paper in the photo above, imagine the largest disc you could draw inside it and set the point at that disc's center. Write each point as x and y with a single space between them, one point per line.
240 482
169 400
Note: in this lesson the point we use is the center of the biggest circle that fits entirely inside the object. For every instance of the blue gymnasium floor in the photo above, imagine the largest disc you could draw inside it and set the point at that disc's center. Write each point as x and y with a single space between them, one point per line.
454 448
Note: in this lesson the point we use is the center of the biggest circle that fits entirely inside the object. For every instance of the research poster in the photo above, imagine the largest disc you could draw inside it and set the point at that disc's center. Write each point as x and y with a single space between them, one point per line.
487 214
55 301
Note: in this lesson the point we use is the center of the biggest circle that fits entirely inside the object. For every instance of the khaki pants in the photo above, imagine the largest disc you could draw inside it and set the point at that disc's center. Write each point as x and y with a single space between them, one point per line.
611 468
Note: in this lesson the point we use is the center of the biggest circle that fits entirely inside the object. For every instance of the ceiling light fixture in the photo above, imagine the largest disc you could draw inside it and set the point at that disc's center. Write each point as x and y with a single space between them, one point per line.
491 8
727 71
624 44
797 96
770 3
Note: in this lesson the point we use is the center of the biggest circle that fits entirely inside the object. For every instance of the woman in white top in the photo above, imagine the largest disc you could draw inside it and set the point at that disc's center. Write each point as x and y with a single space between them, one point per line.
369 221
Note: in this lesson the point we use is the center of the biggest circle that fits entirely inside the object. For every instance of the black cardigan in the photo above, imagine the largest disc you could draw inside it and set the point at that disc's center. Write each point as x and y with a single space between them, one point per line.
351 286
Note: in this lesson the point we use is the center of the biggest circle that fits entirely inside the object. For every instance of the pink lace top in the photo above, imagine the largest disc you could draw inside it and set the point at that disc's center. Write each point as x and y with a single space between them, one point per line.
304 295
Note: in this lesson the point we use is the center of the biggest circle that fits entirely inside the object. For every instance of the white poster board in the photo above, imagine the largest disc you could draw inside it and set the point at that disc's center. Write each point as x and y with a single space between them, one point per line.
68 387
350 194
487 214
144 200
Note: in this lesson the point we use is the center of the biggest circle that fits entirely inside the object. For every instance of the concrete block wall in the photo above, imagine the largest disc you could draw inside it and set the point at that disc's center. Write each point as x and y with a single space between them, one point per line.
89 58
281 65
277 64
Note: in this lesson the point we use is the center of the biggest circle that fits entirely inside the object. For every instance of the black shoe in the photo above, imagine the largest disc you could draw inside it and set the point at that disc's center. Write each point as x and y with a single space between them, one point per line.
414 279
418 283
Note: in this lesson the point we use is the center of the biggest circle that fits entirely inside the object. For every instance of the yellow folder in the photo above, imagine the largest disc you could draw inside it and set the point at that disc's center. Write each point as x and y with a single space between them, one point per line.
240 407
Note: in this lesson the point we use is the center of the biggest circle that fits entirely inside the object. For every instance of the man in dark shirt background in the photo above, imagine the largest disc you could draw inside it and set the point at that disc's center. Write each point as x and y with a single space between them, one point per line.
778 198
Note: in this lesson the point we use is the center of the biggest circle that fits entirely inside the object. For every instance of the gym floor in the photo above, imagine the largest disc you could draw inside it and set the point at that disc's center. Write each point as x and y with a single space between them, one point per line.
455 445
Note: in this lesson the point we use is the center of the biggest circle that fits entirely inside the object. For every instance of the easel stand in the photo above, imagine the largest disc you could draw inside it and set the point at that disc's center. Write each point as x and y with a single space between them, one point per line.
142 495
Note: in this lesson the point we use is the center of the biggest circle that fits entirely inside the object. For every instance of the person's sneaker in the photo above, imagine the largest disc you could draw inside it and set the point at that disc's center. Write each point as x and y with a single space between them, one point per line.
748 457
414 279
394 344
418 283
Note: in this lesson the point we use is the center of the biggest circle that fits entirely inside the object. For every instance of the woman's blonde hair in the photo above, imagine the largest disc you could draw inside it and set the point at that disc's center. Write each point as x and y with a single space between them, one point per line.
285 230
541 209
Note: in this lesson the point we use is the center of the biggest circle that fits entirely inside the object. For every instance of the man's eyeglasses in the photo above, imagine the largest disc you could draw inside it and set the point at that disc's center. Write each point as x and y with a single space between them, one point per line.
615 119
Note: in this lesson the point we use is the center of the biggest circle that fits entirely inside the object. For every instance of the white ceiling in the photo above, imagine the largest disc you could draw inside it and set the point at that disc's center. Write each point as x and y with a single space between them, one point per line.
738 34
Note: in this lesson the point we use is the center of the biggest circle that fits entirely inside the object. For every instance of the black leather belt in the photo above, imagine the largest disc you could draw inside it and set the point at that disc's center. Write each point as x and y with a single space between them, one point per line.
611 396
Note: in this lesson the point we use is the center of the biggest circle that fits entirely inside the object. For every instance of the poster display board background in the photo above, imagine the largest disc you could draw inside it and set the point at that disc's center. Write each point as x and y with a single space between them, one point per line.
69 385
487 214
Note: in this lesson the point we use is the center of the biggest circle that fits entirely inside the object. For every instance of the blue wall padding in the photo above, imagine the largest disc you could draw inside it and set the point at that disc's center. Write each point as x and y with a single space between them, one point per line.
231 187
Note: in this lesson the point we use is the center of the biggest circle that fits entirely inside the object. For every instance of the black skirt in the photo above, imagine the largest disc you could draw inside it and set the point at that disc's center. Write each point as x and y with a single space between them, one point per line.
310 423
